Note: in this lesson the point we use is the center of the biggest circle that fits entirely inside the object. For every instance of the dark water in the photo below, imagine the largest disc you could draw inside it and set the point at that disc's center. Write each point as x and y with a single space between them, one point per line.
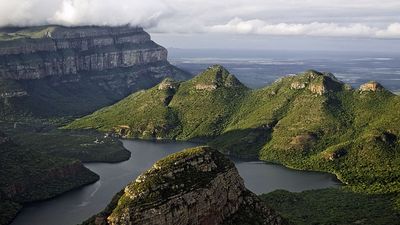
76 206
259 68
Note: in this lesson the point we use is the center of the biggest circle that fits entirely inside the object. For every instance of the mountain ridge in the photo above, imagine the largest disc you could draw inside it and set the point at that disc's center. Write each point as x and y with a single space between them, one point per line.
310 121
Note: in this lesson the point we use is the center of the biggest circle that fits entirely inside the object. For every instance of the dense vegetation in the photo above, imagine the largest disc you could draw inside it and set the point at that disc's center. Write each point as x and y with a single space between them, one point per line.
310 121
44 137
27 175
334 207
38 161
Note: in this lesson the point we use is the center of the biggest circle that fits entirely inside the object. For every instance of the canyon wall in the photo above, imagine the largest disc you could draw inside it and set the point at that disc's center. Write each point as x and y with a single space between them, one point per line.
48 71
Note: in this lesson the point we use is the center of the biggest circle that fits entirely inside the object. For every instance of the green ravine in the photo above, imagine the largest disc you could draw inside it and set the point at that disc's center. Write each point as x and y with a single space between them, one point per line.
311 121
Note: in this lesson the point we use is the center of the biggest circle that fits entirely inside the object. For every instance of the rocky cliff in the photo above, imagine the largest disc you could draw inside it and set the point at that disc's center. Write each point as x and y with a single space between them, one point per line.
52 69
195 186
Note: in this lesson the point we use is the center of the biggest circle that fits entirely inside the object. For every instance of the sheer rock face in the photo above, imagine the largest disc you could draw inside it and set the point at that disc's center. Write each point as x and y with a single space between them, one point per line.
196 186
55 70
64 51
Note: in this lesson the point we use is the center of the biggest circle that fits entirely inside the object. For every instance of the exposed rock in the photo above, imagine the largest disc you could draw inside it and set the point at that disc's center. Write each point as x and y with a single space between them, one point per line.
207 87
73 50
57 68
371 86
318 83
168 84
195 186
297 85
318 89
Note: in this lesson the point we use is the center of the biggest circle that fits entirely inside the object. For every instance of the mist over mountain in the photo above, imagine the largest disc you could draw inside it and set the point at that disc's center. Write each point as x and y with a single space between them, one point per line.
272 17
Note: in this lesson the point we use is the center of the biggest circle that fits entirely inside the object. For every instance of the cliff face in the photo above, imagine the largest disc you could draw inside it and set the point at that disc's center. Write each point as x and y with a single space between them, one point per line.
64 51
55 64
195 186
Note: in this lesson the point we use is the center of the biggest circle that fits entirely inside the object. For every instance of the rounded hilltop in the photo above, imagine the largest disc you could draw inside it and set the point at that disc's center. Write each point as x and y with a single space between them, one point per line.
214 77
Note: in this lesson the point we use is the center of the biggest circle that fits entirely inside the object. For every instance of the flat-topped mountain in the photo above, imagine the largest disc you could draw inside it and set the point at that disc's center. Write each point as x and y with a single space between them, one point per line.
56 70
194 186
308 121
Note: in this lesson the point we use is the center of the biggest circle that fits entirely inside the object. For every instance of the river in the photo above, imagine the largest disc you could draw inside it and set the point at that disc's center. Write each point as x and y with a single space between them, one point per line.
75 206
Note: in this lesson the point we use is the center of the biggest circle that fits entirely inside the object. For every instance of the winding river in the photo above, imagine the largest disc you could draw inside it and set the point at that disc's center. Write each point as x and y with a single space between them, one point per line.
75 206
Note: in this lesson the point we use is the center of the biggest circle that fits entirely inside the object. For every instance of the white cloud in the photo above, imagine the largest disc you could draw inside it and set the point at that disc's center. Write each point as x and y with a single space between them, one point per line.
317 29
333 18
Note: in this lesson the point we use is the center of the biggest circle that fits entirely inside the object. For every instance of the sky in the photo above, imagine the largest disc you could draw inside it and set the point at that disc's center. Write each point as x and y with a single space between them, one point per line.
253 24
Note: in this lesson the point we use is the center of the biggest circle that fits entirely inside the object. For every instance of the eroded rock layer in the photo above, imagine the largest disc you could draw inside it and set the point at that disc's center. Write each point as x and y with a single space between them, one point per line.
53 70
195 186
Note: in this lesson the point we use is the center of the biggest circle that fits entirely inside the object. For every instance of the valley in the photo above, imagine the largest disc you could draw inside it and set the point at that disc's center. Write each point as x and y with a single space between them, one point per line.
85 110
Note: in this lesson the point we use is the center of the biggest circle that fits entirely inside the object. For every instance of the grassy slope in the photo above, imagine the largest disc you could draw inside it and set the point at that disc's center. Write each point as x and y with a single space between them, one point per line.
182 112
310 121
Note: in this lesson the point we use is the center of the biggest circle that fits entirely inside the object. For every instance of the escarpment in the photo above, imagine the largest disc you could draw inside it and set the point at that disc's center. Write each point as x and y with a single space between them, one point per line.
195 186
55 70
63 51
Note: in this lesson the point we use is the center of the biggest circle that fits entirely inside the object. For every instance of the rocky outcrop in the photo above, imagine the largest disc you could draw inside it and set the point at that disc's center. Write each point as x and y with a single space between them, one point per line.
371 86
318 89
168 84
195 186
317 83
297 85
214 77
55 70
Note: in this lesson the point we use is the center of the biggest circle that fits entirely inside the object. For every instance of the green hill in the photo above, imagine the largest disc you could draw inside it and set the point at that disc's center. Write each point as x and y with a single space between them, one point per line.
310 121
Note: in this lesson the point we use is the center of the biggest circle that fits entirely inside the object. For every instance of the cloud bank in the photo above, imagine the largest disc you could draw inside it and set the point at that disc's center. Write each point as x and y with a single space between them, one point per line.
326 18
315 29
